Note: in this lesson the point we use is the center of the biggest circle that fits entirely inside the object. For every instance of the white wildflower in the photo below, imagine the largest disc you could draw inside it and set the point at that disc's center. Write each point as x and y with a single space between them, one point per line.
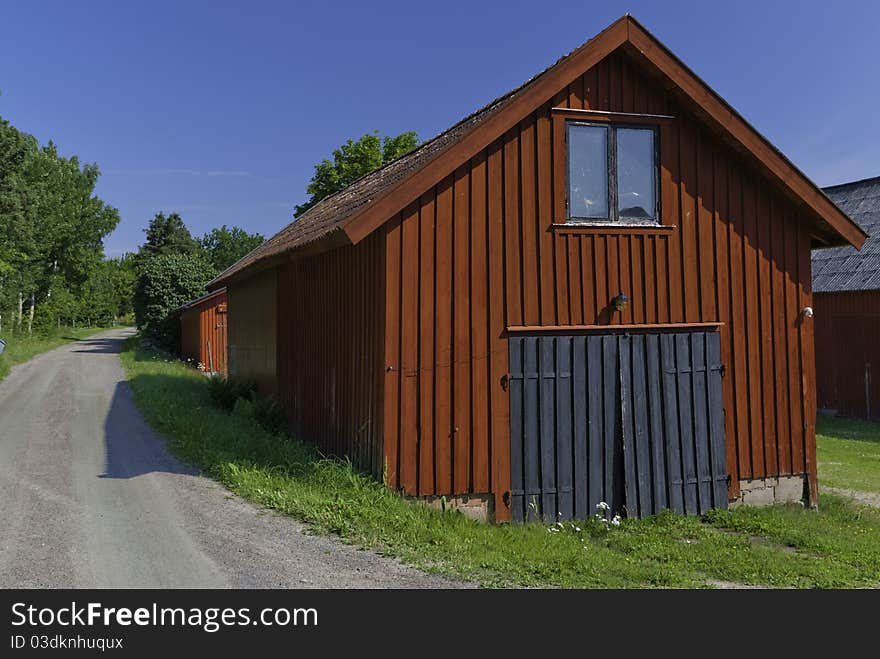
615 520
602 506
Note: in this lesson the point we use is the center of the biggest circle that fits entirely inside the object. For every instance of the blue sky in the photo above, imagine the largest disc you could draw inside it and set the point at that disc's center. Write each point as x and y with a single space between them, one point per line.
220 110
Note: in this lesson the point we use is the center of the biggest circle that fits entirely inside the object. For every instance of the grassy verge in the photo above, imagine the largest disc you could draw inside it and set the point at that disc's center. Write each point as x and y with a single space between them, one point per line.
782 546
22 348
848 453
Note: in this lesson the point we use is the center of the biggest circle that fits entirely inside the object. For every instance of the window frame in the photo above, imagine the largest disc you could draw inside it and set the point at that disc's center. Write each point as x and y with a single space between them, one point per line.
614 218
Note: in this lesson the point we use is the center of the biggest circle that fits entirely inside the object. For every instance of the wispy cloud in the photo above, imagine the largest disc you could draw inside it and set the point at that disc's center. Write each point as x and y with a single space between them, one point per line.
237 174
180 208
176 171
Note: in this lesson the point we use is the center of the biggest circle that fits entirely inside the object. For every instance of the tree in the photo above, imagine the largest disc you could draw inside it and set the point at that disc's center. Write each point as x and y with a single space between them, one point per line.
351 161
167 234
225 246
166 282
123 274
52 225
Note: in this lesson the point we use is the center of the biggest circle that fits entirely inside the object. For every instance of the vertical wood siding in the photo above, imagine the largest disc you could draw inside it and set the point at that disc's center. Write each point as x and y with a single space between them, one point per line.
478 253
252 330
330 372
203 334
574 398
848 352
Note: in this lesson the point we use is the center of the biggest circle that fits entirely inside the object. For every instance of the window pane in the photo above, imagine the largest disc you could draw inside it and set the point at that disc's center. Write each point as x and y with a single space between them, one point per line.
635 173
587 171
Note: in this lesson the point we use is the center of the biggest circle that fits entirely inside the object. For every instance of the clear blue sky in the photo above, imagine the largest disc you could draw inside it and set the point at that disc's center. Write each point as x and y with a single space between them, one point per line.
220 110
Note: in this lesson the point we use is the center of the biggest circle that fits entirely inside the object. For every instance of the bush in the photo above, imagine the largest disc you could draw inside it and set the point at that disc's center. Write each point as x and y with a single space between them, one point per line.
270 415
239 396
166 282
226 391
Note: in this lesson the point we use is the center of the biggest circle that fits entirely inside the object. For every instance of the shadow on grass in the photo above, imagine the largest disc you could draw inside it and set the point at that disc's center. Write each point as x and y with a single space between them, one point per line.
857 430
204 435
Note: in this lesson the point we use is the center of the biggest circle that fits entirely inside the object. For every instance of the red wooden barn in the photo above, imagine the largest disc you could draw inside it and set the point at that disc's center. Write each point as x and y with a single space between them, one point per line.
203 331
591 289
846 286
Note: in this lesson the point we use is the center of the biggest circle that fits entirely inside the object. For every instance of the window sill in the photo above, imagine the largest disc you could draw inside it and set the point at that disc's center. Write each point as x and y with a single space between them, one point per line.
616 228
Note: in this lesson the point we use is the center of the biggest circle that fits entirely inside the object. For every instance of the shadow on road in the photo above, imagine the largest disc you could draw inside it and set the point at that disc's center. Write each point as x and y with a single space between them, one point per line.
133 448
100 346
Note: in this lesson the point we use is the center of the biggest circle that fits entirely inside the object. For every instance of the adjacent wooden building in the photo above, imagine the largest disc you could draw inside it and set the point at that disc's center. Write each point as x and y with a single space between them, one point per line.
592 289
203 331
846 300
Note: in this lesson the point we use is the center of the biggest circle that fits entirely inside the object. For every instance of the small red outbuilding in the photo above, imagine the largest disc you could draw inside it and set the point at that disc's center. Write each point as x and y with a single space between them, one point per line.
203 331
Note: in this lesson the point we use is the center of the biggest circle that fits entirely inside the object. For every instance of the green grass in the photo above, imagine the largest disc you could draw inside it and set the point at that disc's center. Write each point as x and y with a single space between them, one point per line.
21 348
784 546
848 453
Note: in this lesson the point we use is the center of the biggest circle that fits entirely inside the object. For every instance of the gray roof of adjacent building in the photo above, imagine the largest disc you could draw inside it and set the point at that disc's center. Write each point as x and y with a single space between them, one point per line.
838 269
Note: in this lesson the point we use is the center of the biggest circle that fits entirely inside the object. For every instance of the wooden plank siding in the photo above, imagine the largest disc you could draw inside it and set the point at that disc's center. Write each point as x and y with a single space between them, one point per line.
483 251
848 353
203 334
252 319
331 320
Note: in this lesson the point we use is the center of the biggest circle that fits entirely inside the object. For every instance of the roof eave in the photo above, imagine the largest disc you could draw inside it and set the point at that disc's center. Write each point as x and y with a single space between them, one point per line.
329 241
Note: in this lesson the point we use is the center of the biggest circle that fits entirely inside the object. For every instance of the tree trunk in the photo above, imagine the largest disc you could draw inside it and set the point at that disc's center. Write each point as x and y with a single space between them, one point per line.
20 309
31 315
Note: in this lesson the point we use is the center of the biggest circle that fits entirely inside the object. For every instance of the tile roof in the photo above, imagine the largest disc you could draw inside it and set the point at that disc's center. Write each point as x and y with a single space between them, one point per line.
845 268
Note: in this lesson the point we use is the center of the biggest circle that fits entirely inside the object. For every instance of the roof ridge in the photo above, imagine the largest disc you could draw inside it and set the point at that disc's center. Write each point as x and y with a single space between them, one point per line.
870 179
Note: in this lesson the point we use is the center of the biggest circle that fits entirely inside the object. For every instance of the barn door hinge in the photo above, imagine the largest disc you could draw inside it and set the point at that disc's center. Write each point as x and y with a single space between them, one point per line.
505 380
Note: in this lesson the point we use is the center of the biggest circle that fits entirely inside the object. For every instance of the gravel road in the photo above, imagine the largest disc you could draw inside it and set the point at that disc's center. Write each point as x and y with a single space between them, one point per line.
90 498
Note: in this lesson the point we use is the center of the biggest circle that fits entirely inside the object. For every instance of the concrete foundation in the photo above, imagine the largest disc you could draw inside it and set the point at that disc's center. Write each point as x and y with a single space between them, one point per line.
770 491
480 507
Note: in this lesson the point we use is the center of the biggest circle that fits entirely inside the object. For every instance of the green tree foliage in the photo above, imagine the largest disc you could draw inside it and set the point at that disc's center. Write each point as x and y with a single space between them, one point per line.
351 161
52 226
167 234
225 246
166 282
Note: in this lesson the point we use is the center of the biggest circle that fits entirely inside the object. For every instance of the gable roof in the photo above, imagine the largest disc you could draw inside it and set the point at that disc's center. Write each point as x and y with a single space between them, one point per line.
353 213
842 268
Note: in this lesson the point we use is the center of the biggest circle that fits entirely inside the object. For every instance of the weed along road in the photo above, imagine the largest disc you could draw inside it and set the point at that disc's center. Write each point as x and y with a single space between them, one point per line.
91 498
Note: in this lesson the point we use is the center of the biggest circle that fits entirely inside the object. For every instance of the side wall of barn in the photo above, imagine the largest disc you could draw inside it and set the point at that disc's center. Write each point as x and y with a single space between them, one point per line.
252 329
848 352
482 255
330 329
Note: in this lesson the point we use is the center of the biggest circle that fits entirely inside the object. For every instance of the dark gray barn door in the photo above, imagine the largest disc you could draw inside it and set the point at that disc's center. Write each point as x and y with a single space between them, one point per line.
635 421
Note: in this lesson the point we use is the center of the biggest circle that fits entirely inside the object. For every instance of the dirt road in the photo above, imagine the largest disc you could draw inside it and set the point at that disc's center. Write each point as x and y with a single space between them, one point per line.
89 497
